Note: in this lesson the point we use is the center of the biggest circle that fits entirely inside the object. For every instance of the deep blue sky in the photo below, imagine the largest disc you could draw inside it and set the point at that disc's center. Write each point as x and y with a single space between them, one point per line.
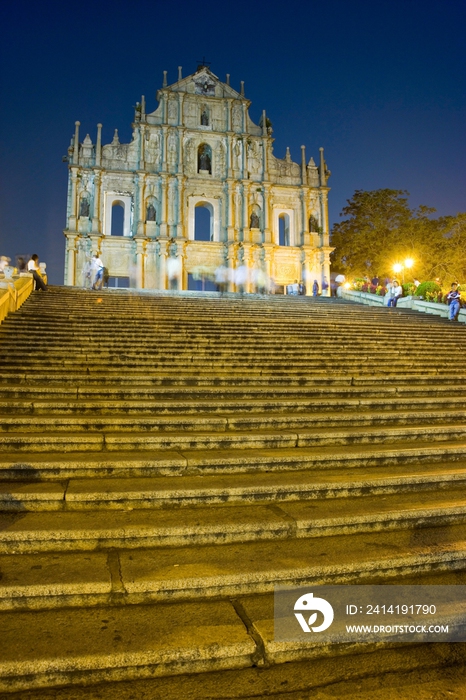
380 84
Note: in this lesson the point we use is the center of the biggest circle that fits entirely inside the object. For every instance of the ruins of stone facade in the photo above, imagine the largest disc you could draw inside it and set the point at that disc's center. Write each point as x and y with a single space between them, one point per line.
199 148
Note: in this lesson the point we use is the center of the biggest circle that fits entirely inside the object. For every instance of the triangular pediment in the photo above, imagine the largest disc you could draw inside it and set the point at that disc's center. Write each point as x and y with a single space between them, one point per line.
204 82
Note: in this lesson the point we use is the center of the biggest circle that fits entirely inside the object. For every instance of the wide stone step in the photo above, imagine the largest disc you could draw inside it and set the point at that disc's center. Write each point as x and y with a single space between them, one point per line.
108 440
155 492
426 670
207 405
200 525
82 646
121 422
136 576
58 465
432 380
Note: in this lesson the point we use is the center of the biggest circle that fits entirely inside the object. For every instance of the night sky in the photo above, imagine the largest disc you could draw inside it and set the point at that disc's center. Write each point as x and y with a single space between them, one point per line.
380 84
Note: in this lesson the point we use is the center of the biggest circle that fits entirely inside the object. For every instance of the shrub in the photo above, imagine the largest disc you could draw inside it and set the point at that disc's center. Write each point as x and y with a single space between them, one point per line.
428 288
409 289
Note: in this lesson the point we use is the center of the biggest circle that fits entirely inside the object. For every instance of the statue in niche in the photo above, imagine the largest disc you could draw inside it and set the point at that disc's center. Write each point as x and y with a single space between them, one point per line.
254 220
237 119
313 224
204 158
254 158
172 109
205 117
237 154
172 150
150 212
221 158
84 207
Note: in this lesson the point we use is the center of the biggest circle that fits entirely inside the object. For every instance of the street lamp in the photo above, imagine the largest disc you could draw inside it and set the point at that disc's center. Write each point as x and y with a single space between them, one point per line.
401 267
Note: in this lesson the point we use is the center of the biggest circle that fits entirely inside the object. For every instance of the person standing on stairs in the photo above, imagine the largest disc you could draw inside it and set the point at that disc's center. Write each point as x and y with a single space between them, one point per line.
98 272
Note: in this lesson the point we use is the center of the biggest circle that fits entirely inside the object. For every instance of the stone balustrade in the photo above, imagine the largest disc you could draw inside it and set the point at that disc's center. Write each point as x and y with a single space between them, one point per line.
13 292
409 302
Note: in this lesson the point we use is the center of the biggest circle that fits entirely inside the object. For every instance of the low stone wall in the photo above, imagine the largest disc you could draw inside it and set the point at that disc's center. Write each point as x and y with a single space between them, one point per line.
13 293
414 303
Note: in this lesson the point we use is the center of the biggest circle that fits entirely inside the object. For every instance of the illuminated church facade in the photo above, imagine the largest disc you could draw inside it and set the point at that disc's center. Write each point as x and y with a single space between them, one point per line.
138 204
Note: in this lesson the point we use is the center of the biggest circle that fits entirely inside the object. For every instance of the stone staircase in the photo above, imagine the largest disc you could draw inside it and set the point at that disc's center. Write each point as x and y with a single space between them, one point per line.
166 459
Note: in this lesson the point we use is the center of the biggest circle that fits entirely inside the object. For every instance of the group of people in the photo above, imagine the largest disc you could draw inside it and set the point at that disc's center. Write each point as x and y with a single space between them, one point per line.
395 291
32 266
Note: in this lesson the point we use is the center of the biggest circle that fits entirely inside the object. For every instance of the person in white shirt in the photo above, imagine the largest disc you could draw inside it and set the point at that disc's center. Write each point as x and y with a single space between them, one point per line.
395 292
98 272
33 266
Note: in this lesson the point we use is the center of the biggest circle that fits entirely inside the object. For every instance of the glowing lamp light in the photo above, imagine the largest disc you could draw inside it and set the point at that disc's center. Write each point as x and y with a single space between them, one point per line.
347 285
397 267
409 262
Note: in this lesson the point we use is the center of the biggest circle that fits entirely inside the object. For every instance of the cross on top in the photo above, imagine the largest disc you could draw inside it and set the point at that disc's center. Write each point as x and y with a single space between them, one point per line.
203 63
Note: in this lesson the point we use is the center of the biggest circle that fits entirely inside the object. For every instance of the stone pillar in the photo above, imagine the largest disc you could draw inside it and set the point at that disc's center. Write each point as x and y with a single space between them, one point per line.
180 117
307 270
246 230
96 225
163 253
98 146
303 165
232 253
164 146
140 186
181 231
76 143
141 134
163 202
72 223
245 118
266 201
324 215
70 259
139 262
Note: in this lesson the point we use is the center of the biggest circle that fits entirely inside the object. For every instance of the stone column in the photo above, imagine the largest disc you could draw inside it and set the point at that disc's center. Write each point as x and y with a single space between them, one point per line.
98 146
163 202
164 146
163 252
76 143
139 262
139 200
246 229
266 208
324 214
72 223
96 225
232 254
70 259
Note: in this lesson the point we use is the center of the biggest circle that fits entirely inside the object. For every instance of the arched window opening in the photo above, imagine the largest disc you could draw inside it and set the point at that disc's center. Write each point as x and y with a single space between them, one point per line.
283 229
118 219
204 159
203 217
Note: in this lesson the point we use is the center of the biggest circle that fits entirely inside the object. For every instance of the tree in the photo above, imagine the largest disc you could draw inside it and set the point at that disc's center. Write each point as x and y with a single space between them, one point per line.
381 230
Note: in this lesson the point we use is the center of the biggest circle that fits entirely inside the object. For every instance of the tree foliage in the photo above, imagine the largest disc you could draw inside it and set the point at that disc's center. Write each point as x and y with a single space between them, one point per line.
380 229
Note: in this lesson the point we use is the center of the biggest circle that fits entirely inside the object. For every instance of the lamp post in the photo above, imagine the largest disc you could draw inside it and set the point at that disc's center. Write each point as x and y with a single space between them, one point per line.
401 267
